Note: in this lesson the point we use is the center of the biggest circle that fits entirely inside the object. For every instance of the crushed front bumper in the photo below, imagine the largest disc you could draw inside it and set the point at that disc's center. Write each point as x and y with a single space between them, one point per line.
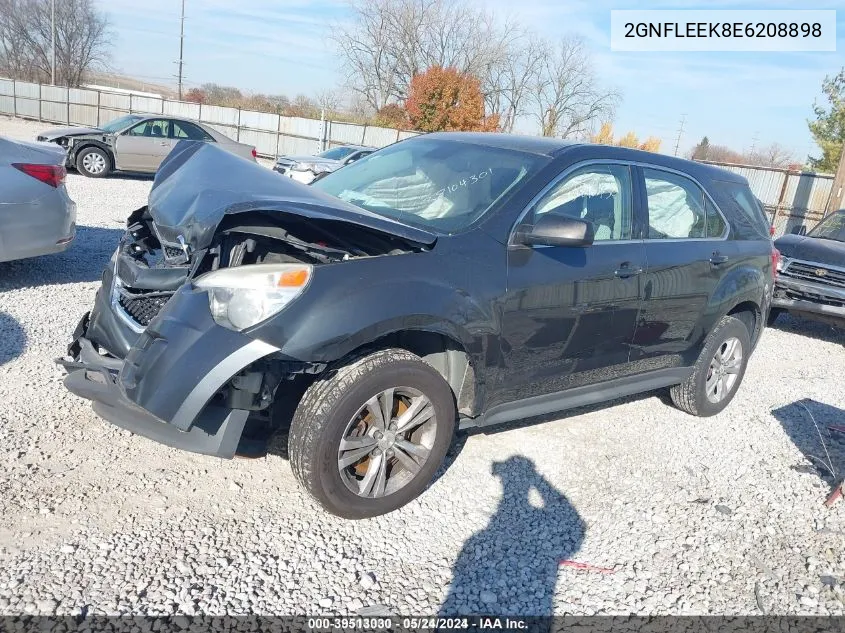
166 388
813 300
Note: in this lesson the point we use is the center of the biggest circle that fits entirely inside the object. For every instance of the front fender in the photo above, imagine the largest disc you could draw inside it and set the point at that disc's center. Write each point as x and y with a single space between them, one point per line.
353 303
79 143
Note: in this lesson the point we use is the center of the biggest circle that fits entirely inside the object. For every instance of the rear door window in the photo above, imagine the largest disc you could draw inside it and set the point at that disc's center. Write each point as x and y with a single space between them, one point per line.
678 208
742 201
185 130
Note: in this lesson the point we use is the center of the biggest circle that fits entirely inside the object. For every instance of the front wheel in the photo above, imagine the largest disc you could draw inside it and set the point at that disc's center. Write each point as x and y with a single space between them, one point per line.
93 162
369 435
718 372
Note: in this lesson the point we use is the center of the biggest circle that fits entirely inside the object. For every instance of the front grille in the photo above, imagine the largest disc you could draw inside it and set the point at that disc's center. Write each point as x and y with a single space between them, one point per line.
818 273
172 252
142 308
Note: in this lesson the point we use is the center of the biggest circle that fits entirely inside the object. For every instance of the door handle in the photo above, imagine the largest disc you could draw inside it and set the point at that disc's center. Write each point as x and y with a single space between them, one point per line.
717 258
626 270
165 143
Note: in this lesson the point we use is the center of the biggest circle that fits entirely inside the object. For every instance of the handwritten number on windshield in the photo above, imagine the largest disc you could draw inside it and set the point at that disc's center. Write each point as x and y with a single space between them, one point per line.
465 182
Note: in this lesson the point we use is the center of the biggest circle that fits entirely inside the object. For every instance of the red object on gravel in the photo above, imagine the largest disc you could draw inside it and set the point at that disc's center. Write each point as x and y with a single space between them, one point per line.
586 567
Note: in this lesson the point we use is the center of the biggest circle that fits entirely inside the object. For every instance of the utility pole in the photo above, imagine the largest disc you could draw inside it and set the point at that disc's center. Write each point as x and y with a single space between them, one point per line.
53 47
680 132
837 191
753 143
181 47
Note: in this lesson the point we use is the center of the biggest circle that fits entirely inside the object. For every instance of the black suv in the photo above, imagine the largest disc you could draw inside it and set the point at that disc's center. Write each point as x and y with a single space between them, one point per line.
447 280
811 279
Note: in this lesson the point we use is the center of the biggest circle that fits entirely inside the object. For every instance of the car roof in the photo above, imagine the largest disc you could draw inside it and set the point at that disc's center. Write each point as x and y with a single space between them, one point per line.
355 147
701 171
145 115
532 144
554 147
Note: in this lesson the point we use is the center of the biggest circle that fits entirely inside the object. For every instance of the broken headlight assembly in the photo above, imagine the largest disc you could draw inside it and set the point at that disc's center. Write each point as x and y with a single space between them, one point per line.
314 168
247 295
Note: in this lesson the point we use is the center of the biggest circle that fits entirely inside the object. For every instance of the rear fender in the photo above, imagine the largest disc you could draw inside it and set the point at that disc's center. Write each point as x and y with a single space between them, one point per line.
742 284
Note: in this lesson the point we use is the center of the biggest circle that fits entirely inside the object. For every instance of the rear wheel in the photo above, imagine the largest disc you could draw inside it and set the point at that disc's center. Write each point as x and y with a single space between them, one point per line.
369 435
93 162
718 372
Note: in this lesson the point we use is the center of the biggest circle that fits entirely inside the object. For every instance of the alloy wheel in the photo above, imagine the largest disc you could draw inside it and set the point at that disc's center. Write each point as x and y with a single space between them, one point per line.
387 442
724 370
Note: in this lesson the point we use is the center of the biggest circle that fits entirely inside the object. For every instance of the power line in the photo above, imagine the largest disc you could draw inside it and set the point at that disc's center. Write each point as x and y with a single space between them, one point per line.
181 47
680 133
754 140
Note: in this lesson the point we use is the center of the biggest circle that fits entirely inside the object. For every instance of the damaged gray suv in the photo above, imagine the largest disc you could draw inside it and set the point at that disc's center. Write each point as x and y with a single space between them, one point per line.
449 280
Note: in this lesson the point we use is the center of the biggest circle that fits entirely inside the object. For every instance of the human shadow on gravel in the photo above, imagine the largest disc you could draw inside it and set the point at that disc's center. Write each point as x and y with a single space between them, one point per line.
511 566
83 261
12 338
807 423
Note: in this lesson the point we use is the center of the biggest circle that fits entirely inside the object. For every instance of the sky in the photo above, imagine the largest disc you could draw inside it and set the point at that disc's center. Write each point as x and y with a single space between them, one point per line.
742 100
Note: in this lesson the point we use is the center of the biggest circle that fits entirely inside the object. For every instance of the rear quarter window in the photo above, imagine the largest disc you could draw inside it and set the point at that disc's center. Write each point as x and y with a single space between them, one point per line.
743 207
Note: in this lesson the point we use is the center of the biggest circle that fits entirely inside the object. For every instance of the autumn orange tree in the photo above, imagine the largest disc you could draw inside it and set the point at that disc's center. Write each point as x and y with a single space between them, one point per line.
605 136
444 99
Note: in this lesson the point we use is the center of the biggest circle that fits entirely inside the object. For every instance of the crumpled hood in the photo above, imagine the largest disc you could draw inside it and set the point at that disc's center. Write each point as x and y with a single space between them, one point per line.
199 183
68 131
309 159
812 249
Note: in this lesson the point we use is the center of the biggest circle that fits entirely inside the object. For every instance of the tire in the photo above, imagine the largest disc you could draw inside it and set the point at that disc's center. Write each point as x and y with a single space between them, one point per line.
328 413
774 313
692 395
93 162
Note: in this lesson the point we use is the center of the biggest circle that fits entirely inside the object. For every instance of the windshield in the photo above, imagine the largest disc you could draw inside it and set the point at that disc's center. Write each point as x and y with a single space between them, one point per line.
337 153
831 228
442 185
122 122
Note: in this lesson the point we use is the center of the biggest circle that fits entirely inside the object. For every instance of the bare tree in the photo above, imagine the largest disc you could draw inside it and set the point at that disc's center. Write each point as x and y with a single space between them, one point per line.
328 100
82 39
511 74
389 41
773 155
566 96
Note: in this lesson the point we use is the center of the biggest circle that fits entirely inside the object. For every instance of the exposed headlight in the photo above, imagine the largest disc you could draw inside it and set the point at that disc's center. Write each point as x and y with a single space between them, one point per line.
316 168
244 296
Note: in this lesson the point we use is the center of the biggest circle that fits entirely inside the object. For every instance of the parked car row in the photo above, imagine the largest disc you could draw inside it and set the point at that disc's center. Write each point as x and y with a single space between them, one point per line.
37 221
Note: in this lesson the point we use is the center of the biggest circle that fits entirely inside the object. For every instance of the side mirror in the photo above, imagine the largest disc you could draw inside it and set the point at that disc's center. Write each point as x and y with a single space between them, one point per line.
799 230
556 230
351 160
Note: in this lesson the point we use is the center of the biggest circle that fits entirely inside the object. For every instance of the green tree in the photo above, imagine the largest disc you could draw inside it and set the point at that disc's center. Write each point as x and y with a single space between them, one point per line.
828 129
702 150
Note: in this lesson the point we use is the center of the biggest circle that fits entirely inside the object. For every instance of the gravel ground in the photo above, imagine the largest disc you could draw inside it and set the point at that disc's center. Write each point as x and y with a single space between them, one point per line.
715 516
